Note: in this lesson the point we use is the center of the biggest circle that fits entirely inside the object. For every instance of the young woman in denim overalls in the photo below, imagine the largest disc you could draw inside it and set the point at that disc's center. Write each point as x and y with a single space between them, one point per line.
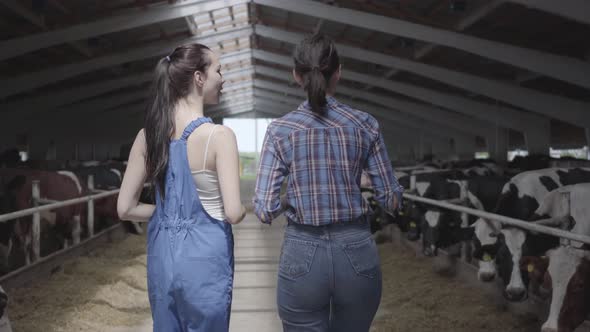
193 167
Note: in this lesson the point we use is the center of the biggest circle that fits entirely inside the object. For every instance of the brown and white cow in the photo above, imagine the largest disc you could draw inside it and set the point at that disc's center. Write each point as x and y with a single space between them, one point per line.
568 271
59 186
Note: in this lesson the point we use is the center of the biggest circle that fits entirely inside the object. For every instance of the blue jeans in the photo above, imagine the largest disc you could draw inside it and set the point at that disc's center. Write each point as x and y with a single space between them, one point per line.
329 278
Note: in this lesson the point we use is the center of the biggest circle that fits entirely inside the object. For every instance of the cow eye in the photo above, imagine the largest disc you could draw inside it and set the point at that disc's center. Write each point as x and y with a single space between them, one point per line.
577 285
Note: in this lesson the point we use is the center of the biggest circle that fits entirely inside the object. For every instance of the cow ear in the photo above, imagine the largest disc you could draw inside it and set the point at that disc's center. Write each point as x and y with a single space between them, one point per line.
497 235
549 253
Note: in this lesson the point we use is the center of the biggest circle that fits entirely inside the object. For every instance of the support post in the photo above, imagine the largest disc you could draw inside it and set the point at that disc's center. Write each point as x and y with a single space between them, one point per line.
90 215
36 195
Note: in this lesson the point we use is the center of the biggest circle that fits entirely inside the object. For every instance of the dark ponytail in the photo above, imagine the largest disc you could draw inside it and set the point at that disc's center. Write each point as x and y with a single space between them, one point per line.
316 60
173 81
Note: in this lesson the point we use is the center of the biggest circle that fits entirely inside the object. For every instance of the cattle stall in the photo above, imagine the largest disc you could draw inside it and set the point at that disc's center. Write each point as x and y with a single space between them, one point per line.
32 248
106 290
540 306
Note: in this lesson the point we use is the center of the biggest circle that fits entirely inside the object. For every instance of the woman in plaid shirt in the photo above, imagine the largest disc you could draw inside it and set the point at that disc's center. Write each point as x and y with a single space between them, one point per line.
329 271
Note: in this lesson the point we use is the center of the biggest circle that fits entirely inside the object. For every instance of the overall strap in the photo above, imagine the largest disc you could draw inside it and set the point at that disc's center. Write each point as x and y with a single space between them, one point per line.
207 145
193 125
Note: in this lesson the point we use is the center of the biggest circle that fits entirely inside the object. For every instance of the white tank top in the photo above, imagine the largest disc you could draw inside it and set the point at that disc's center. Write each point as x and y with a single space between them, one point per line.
207 185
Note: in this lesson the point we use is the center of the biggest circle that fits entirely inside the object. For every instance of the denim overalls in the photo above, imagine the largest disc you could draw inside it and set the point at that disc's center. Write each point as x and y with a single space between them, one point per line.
190 263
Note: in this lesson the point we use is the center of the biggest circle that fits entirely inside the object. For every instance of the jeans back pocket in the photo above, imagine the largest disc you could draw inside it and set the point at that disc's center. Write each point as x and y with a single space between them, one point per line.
296 258
364 257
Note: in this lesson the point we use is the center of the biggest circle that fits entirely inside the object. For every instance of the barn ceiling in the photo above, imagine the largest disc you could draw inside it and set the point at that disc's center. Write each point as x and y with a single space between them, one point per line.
450 68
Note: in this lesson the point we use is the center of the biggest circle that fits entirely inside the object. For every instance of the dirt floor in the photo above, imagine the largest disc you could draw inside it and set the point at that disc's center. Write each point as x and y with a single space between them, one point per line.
107 289
416 298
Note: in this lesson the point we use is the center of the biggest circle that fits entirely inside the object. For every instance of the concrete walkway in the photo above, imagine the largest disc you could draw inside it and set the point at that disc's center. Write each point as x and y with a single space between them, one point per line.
257 251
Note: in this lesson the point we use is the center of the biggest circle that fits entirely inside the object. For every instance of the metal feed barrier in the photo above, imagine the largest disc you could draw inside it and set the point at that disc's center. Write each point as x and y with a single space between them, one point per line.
41 204
537 226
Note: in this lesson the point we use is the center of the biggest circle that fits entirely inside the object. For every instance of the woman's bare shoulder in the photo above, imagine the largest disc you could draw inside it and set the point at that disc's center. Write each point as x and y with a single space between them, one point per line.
140 134
225 134
140 138
139 145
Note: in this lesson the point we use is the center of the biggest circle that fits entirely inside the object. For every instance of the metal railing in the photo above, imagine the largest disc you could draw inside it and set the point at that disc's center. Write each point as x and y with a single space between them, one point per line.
41 204
532 226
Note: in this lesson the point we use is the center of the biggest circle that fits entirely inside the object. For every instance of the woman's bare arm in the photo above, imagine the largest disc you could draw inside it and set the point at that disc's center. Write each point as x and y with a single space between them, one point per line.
128 206
227 164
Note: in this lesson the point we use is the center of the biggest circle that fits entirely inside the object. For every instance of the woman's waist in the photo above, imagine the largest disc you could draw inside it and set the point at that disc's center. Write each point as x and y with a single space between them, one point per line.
341 231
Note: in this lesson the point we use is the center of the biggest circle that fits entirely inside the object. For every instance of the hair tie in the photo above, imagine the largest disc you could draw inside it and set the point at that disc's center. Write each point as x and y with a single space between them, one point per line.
168 58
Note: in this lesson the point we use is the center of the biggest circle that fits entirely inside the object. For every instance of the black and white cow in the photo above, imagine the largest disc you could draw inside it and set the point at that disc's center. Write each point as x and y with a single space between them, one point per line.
10 158
519 199
403 178
411 217
6 233
3 301
105 177
443 228
4 322
475 167
429 184
437 223
8 229
530 162
379 219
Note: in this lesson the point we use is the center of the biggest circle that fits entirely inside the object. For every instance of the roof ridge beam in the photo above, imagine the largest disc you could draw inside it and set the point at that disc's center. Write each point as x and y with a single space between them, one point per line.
576 10
17 46
563 108
12 86
564 68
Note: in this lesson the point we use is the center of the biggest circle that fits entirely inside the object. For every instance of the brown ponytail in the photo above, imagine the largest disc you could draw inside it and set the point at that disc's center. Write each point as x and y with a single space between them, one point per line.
316 60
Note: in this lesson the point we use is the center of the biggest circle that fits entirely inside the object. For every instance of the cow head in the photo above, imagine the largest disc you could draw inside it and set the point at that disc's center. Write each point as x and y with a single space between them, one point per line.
511 242
539 279
485 243
569 270
437 222
515 243
440 229
411 218
3 301
430 231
